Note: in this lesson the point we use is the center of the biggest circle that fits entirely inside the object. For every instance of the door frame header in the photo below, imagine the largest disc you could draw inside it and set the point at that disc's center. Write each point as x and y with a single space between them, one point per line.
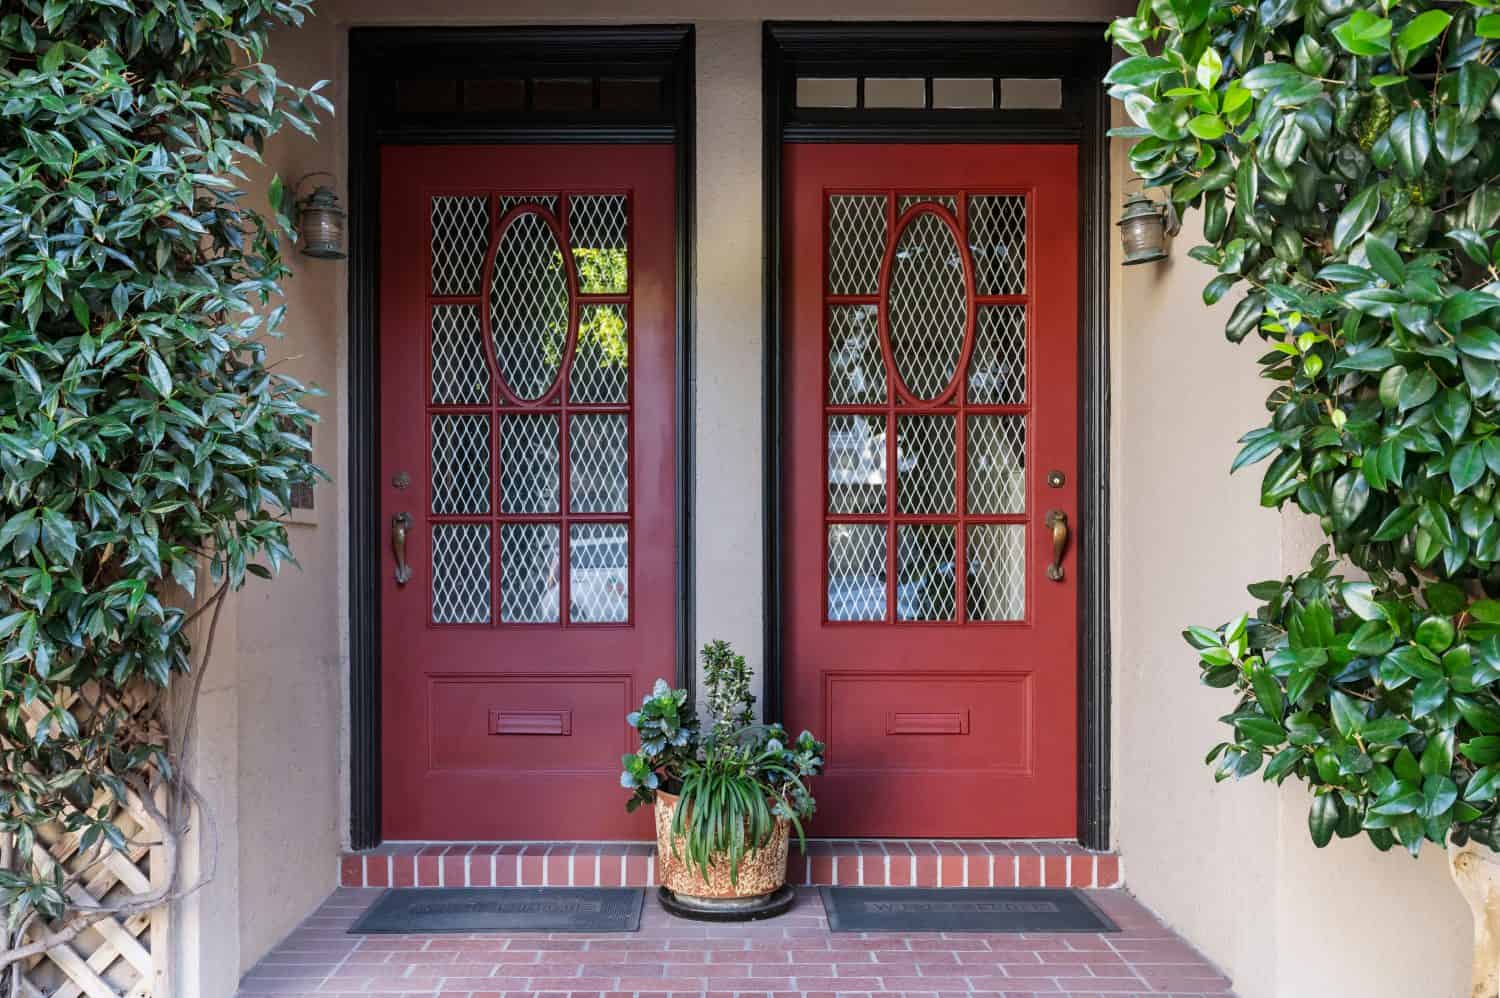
1010 49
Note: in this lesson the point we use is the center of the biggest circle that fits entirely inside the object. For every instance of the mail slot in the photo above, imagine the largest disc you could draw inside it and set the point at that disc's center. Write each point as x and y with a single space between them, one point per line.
531 722
934 723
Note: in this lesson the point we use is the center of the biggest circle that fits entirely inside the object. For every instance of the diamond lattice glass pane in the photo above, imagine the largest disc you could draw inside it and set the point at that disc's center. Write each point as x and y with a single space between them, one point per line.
598 573
925 587
528 306
460 231
856 368
996 583
461 573
856 464
927 305
460 372
926 462
856 243
997 238
996 461
596 230
529 460
508 201
905 201
529 558
598 463
997 367
856 571
460 464
601 360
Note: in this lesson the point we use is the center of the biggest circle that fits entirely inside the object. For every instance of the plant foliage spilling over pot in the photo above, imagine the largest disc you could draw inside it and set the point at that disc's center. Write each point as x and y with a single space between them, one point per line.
734 783
146 443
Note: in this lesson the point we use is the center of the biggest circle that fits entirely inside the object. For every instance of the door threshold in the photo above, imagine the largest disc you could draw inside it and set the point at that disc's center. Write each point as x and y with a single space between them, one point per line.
827 863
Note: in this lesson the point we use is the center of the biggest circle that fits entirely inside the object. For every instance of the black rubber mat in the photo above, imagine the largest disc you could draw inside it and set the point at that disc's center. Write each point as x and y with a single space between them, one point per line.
961 909
422 910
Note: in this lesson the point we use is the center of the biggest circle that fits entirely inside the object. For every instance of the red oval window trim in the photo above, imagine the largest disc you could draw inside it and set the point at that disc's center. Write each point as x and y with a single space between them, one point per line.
883 296
486 282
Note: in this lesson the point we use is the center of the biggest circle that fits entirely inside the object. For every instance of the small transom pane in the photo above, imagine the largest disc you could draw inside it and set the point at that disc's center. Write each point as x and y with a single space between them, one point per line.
856 242
884 91
529 558
856 464
529 459
460 234
460 370
996 571
460 464
997 368
461 573
926 462
996 448
601 359
598 463
1025 94
856 367
529 306
827 91
598 573
856 571
927 305
925 584
997 239
596 231
963 92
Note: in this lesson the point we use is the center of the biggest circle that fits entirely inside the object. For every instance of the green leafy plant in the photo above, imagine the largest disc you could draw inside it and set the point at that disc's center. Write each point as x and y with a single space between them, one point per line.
1345 158
146 444
735 782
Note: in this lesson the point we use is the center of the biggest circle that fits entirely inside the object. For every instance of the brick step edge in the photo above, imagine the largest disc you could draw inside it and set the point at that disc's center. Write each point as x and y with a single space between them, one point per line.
882 863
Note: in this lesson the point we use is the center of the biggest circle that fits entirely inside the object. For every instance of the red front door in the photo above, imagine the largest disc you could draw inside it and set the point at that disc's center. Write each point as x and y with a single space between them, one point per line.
526 455
931 428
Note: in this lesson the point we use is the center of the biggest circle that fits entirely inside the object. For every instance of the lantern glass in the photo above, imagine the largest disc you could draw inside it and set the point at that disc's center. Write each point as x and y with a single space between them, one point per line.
1143 230
321 226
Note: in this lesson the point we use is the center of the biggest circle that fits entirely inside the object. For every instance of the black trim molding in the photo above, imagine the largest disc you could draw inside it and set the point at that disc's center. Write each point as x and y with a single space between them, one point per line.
1079 56
376 118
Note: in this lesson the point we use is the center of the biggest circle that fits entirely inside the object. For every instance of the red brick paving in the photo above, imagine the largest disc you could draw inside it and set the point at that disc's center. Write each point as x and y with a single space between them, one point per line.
794 955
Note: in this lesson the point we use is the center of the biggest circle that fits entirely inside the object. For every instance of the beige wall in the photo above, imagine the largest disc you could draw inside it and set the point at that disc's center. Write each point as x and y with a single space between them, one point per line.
1228 865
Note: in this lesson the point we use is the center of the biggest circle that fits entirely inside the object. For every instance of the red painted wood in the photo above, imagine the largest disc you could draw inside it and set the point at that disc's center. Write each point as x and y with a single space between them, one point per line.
445 775
1010 770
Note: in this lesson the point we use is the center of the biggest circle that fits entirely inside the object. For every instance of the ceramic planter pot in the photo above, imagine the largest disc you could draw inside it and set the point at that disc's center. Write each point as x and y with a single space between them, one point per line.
762 871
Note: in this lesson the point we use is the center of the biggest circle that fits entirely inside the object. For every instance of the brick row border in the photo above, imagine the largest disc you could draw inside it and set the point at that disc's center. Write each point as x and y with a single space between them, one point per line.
828 862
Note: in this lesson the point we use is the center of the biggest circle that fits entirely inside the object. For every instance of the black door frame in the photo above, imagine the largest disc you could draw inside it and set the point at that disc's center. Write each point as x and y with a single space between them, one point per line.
377 116
998 50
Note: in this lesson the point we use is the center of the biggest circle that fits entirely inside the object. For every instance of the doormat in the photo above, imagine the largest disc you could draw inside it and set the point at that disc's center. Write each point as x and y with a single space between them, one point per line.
436 910
961 909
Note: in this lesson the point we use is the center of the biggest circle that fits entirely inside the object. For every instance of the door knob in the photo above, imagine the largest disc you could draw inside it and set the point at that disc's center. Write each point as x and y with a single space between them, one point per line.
400 524
1057 522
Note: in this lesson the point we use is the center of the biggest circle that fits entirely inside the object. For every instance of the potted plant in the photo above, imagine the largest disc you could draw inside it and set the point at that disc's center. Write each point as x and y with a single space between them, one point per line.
727 801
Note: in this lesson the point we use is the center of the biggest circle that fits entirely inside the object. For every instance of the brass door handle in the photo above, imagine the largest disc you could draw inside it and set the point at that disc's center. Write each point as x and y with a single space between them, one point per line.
400 524
1057 522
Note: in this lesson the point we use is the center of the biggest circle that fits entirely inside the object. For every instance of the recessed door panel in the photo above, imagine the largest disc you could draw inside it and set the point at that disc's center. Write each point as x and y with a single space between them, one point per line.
930 584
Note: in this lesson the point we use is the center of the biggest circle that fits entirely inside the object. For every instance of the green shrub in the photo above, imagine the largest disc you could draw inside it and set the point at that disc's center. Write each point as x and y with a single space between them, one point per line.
146 444
1345 158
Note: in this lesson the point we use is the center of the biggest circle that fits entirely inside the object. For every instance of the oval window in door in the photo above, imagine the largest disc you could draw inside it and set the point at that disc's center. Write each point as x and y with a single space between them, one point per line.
928 291
530 306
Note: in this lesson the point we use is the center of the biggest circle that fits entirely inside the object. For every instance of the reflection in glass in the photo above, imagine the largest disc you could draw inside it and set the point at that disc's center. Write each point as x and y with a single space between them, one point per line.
598 463
927 305
997 464
529 573
996 571
925 567
856 464
528 463
528 306
461 573
598 573
856 571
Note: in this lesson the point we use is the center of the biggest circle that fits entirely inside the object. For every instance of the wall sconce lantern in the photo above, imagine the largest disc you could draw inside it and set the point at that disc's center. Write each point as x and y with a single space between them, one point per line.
320 221
1144 228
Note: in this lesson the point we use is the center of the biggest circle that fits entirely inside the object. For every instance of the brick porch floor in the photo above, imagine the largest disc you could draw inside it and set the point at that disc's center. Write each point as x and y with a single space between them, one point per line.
792 955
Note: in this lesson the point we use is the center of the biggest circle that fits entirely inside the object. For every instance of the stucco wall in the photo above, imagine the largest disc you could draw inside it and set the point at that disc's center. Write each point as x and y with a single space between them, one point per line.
1229 865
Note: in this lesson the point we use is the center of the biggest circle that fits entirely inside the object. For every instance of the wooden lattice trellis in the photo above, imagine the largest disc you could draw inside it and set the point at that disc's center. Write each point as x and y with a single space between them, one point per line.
116 957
